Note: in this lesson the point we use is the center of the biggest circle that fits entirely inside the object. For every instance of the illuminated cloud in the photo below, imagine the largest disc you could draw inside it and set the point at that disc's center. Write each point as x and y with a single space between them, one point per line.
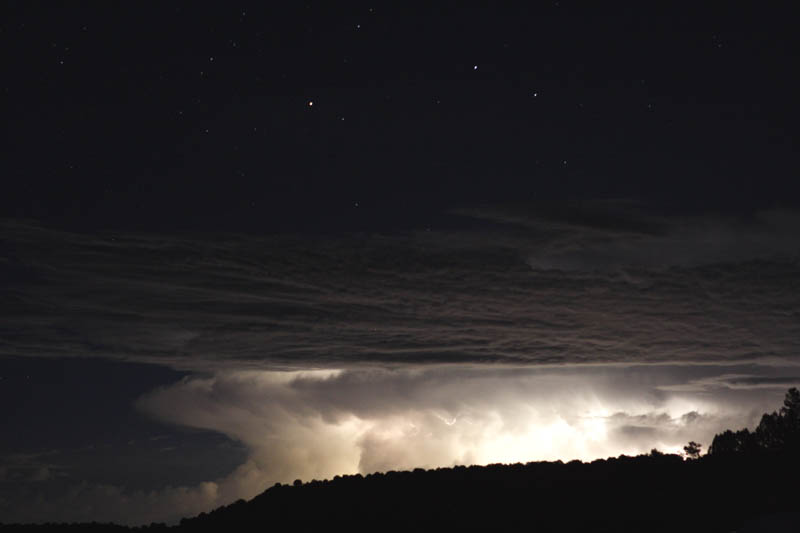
554 336
318 424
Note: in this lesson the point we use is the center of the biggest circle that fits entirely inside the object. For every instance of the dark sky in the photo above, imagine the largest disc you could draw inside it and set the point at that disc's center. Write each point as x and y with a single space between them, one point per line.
245 244
179 115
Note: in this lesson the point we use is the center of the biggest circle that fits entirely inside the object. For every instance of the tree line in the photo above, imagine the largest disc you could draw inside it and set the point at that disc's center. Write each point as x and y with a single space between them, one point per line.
778 432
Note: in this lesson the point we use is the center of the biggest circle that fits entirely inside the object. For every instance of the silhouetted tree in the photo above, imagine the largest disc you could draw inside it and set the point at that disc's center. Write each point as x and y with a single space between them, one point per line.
730 443
724 443
770 433
791 403
777 432
692 450
791 410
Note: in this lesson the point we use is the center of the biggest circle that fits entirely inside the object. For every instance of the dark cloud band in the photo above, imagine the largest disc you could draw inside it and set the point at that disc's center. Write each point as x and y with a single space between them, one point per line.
529 291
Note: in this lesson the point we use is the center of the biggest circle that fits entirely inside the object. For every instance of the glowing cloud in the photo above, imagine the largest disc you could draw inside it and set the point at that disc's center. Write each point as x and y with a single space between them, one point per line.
318 424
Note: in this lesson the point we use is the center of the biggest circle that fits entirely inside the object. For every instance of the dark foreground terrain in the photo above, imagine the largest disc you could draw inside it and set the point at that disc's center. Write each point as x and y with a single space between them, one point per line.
745 477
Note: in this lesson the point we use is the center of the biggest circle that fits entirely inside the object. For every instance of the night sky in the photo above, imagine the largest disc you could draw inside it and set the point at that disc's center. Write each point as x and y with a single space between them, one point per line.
242 244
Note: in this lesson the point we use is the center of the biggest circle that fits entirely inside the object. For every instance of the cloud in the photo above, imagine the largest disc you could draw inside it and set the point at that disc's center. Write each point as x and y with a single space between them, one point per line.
737 382
318 424
27 467
548 290
613 235
538 336
84 502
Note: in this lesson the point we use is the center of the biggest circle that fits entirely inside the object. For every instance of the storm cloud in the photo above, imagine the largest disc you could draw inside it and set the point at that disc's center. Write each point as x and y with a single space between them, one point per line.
322 423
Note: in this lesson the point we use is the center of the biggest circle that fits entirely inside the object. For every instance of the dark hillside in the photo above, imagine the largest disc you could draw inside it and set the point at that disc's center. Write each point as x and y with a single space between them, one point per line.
645 493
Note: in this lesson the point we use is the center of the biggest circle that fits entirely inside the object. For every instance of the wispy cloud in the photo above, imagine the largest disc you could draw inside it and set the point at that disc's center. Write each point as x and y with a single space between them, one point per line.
737 382
540 291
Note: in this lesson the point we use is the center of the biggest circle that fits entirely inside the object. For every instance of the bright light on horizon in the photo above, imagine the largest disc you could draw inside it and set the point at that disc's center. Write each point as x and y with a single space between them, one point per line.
316 424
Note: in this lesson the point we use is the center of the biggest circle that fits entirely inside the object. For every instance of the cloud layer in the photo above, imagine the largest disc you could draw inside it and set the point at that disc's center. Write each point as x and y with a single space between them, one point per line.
521 290
509 336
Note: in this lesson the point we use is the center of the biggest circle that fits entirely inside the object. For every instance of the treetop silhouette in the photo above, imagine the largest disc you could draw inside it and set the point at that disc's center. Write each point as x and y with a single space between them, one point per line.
778 432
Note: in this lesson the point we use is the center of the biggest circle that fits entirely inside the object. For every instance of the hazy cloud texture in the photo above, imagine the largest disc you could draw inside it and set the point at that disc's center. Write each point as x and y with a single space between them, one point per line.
526 291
